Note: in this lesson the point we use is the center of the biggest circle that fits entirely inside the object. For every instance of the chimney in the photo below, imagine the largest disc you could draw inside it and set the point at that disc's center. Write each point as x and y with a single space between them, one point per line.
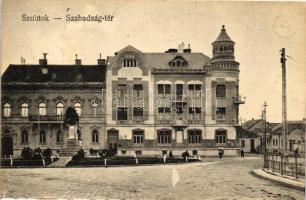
77 61
43 61
187 50
101 61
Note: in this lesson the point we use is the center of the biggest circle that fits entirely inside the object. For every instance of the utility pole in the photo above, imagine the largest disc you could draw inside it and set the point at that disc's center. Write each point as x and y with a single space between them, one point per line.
284 101
264 116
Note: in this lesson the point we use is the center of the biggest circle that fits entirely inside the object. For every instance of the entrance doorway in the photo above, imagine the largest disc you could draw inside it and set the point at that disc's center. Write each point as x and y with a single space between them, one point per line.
112 140
253 146
7 146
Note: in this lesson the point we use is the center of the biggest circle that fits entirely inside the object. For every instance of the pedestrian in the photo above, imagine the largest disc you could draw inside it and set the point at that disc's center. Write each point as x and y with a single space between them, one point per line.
241 152
220 153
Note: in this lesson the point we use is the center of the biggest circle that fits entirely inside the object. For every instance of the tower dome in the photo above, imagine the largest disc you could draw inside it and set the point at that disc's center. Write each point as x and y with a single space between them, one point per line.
223 46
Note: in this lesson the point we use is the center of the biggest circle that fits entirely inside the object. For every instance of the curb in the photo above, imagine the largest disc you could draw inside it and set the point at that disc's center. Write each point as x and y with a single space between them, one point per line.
269 176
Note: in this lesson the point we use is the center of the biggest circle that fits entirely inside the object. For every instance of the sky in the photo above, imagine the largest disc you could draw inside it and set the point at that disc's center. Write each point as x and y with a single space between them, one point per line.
259 29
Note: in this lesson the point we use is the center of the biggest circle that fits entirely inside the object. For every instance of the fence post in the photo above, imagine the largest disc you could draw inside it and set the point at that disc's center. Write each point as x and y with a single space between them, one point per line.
11 160
136 160
273 163
43 161
105 162
296 168
281 164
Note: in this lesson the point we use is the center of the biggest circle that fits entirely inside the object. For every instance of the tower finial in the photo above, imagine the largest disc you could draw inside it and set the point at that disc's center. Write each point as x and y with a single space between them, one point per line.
76 56
223 27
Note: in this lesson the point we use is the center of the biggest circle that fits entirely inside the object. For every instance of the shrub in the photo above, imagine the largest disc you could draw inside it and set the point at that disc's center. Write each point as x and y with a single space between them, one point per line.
37 151
91 151
106 153
47 153
79 156
27 153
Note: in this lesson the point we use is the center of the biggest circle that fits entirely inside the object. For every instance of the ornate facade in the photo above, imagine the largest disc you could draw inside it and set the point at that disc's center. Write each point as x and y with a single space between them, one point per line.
152 103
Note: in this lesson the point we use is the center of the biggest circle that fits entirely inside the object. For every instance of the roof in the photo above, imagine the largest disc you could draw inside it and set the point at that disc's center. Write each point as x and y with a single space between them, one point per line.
196 61
291 126
258 125
223 36
243 133
56 73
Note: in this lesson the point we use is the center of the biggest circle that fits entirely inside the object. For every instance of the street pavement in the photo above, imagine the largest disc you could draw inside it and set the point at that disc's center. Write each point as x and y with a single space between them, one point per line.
230 178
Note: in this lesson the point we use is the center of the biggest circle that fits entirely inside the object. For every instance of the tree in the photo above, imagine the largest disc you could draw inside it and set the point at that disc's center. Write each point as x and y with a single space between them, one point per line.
71 117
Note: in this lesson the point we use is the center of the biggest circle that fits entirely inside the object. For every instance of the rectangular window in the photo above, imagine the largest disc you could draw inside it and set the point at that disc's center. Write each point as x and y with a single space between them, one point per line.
123 152
221 113
221 91
138 153
194 136
122 113
179 92
164 137
164 89
194 110
195 152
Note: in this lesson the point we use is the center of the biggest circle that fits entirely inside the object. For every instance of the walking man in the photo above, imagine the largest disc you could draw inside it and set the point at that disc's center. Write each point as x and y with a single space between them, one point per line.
241 152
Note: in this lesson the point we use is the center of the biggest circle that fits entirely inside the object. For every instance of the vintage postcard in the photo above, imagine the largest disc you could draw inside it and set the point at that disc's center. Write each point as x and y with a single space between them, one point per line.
166 99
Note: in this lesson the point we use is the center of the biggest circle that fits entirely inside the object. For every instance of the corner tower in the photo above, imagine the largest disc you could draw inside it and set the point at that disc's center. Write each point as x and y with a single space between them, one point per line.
224 52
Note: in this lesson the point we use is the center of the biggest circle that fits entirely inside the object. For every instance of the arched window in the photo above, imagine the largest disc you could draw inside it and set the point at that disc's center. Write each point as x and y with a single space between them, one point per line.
194 136
164 136
42 109
59 137
221 136
59 109
42 137
24 137
24 110
138 136
95 136
7 110
78 108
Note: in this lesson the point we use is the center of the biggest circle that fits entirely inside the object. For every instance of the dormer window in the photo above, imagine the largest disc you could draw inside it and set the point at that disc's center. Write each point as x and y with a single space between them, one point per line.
178 61
129 60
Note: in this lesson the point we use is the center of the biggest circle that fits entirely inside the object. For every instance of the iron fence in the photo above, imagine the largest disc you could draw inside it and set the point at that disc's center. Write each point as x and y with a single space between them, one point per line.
290 165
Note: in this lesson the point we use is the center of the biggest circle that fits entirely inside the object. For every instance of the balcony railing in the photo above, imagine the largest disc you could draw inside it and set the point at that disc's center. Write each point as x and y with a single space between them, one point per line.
50 117
238 100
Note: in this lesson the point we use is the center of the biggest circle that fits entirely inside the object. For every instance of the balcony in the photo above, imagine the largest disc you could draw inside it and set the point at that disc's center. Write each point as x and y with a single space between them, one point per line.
238 100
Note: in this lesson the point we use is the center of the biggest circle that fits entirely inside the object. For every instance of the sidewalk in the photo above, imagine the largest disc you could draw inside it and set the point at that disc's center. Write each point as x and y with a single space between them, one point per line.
285 180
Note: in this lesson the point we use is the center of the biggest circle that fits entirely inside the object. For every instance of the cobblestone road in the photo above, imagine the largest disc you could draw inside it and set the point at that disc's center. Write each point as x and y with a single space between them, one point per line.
226 179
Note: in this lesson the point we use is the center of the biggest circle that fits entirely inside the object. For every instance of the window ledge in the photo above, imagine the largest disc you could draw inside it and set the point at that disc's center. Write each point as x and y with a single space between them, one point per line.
138 144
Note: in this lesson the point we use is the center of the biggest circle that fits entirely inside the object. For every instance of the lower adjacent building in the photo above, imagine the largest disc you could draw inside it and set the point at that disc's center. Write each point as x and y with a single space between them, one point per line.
251 136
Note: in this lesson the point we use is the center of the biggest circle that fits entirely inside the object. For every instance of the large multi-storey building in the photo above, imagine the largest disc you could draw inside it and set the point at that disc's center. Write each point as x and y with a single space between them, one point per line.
152 103
176 100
